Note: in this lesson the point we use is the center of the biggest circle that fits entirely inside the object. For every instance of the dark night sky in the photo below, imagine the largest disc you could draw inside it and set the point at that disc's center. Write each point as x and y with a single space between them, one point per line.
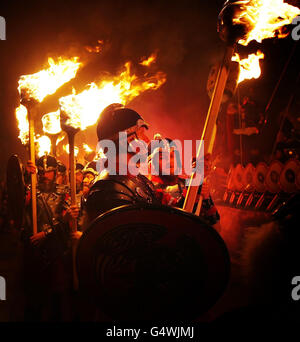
183 33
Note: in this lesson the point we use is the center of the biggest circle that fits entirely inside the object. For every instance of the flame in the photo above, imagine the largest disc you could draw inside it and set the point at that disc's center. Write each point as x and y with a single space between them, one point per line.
51 123
47 81
43 145
151 59
87 148
67 149
23 124
82 110
249 67
59 139
264 18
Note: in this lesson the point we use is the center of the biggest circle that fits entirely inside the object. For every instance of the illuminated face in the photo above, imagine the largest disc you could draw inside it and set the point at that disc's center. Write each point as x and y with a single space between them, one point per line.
141 135
79 178
87 180
47 177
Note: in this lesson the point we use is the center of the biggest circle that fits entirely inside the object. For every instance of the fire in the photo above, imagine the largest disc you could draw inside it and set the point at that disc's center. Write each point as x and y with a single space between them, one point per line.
87 148
264 18
67 149
82 110
249 67
43 145
151 59
23 125
45 82
59 139
51 123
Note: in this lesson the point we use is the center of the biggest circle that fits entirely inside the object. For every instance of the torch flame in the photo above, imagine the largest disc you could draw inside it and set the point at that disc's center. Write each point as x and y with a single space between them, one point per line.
43 145
87 148
264 18
51 123
249 67
46 82
59 139
23 125
82 110
67 149
151 59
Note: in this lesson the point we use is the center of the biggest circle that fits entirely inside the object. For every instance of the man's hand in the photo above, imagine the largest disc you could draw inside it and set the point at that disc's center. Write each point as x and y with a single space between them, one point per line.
75 236
36 239
72 213
30 167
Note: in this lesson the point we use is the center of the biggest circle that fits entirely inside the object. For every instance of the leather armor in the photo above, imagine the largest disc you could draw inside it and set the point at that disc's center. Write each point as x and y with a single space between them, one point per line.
109 192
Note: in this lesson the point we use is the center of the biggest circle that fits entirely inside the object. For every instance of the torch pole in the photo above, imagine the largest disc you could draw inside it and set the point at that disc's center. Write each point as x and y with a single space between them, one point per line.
33 176
53 138
71 137
209 130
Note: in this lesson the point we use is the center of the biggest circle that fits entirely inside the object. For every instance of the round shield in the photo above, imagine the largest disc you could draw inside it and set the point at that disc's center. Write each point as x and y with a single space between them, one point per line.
15 190
143 263
260 176
288 175
238 177
248 177
273 176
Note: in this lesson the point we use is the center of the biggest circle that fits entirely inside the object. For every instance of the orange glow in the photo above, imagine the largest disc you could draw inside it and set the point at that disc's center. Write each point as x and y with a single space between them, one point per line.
45 82
67 149
83 110
43 145
87 149
151 59
249 67
95 49
23 124
59 139
264 18
51 123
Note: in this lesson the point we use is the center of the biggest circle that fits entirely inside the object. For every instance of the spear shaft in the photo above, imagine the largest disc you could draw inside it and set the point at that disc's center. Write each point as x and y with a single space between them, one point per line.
71 137
209 130
33 176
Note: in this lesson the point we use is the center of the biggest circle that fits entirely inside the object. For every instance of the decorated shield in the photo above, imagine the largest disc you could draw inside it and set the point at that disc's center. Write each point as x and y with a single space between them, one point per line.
143 263
238 177
15 190
260 176
289 174
273 176
248 177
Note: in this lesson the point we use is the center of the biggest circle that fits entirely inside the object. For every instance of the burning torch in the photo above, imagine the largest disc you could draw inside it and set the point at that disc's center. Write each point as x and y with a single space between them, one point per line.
33 89
52 128
31 105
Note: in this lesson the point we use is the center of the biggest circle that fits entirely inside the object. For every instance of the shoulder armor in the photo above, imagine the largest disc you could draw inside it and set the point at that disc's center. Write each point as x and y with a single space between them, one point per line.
109 192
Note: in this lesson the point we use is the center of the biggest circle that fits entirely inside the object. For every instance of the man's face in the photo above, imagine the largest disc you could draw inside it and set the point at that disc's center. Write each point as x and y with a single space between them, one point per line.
47 177
141 134
87 180
79 178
